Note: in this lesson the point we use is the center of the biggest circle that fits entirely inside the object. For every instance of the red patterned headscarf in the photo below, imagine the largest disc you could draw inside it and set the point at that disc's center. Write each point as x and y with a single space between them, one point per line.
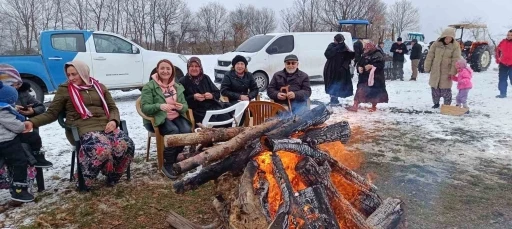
369 47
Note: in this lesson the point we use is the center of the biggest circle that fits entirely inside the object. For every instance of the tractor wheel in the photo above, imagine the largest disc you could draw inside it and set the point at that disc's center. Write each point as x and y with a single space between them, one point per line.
481 58
421 64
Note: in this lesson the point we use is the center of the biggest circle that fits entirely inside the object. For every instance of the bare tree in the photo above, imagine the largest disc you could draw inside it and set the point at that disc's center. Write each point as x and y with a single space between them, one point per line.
136 12
213 20
403 16
24 13
59 14
77 13
288 20
99 13
307 12
183 29
240 22
169 13
264 21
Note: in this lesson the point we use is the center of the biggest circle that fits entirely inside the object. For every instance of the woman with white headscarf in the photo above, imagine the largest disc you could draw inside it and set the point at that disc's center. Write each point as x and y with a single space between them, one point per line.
89 107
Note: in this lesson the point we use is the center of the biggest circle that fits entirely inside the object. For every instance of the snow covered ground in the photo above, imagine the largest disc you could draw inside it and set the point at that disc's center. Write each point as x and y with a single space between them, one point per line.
414 133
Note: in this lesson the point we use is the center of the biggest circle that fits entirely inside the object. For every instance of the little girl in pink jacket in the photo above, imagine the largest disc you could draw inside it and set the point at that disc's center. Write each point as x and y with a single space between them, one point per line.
464 84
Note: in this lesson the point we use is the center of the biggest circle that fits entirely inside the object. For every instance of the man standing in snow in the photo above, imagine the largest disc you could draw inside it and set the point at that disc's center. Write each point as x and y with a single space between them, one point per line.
504 59
399 50
415 58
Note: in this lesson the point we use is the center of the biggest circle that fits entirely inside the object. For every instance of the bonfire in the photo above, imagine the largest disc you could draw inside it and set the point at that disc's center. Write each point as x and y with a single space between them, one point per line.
288 172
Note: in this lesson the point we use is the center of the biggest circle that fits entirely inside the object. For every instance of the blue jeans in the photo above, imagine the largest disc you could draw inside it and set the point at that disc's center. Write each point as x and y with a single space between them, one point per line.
505 72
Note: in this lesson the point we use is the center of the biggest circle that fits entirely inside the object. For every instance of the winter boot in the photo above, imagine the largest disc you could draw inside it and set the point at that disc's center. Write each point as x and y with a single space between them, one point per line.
334 101
19 192
501 96
41 160
435 106
170 156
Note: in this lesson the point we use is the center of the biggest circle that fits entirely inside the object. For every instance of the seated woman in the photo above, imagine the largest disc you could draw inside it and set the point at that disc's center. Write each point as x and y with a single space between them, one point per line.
200 92
162 98
89 107
239 84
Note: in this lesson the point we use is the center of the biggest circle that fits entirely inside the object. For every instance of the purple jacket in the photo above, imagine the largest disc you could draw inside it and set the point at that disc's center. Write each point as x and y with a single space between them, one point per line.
464 79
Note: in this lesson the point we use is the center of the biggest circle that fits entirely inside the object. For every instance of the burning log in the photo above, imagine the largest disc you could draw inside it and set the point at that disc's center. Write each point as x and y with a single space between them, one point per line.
220 151
204 137
388 215
313 175
235 163
262 192
316 206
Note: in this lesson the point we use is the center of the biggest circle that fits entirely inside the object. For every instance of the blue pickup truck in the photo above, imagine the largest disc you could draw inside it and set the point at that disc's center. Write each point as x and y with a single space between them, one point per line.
115 61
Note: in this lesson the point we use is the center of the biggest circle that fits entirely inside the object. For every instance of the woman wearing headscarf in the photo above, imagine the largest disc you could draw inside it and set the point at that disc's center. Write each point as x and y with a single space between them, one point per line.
371 85
337 77
200 92
440 63
90 107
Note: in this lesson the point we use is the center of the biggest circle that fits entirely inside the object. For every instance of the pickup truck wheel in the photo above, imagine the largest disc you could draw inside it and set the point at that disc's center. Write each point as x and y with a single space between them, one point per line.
35 90
261 80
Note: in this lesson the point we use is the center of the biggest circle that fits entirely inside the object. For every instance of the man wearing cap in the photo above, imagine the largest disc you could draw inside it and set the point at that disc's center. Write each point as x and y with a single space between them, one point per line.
399 50
415 58
290 86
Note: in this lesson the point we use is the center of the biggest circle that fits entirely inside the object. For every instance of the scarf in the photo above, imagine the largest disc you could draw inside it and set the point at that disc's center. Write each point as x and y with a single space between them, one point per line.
167 89
74 90
371 79
197 79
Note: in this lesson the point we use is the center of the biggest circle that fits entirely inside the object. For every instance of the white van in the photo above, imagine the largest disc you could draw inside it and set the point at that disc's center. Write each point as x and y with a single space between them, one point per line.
265 54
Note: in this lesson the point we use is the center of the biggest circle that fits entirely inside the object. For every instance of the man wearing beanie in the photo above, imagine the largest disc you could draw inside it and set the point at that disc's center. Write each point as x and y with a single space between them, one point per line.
11 125
399 50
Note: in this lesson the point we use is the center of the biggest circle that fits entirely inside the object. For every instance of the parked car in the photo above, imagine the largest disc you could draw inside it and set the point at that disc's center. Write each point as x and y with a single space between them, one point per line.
265 54
115 61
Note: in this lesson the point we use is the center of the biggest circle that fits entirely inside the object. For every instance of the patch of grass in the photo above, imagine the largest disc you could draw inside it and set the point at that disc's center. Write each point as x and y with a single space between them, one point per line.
140 203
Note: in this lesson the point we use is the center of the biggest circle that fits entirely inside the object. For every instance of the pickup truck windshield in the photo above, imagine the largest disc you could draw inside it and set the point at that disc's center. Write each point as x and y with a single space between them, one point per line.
254 44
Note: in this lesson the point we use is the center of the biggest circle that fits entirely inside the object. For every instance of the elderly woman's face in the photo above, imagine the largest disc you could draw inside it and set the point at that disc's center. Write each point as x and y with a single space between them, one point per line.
194 69
73 76
240 67
448 39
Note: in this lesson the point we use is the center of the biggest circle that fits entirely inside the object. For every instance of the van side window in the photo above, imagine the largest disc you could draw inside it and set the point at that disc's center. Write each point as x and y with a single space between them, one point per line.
72 42
111 44
284 44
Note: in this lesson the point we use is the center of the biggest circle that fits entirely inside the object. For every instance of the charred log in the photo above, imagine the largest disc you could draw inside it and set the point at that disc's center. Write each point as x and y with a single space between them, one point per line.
222 150
204 136
235 163
388 215
318 212
296 146
290 211
312 175
335 132
262 192
179 222
300 122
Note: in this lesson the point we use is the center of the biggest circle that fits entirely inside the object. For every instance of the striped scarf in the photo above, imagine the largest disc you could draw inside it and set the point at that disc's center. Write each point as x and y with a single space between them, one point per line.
78 101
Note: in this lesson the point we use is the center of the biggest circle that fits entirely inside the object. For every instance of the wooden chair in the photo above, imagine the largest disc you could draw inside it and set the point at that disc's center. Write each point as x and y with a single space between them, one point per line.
258 111
76 143
159 138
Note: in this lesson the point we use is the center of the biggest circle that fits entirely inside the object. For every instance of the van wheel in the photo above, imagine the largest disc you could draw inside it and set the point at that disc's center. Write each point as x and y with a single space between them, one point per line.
35 90
261 80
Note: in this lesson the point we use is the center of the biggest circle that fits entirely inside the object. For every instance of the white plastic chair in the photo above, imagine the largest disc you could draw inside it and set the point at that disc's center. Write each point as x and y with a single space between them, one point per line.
239 109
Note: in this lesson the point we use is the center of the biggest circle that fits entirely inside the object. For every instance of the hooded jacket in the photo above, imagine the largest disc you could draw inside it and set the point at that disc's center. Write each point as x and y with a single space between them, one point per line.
441 59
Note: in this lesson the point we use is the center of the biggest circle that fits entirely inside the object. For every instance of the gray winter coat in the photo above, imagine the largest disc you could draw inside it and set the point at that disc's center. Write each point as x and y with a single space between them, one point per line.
25 98
9 126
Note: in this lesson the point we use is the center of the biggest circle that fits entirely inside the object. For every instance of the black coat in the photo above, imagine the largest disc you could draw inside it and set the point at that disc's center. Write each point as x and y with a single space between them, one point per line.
233 86
399 56
298 83
337 77
25 98
376 93
416 52
199 108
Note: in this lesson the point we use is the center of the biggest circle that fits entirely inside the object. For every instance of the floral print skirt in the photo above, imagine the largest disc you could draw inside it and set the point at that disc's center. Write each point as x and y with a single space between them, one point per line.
6 177
108 153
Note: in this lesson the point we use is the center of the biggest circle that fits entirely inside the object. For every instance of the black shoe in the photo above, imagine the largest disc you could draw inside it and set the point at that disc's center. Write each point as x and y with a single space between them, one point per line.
169 172
435 106
334 101
112 179
21 194
41 161
501 96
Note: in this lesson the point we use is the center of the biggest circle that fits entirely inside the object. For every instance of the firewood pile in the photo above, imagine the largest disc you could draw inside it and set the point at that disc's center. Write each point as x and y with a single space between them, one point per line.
281 174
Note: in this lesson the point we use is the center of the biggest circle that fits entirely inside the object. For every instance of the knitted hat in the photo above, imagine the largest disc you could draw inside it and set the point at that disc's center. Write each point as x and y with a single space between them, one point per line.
9 75
399 39
238 58
461 64
8 94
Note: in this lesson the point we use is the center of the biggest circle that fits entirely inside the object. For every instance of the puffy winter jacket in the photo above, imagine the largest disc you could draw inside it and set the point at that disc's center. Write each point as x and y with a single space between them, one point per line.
504 53
464 79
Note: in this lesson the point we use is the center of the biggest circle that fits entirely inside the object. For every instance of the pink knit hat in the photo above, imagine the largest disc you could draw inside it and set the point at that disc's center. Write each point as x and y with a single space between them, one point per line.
461 64
9 75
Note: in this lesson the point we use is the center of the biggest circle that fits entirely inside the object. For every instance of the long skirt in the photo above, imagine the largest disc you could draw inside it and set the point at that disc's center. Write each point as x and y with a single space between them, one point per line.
373 94
110 153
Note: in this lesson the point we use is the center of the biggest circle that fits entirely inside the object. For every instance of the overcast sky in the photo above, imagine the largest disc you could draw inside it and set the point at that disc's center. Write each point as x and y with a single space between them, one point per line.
433 13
